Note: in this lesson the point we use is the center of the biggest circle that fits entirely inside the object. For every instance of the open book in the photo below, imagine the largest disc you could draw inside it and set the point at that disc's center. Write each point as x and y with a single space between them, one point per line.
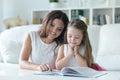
81 72
75 71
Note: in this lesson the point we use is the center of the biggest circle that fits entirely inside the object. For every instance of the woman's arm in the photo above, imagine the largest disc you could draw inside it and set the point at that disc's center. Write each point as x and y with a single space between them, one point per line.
62 60
25 54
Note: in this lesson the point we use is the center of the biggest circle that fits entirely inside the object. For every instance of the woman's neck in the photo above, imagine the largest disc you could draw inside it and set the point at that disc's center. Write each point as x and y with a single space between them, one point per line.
46 40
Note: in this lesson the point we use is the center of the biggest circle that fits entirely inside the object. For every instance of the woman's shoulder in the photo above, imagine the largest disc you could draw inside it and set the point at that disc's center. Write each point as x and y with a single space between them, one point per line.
33 32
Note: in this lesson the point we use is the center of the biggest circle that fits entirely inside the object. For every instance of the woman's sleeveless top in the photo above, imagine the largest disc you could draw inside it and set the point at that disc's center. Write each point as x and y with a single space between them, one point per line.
42 53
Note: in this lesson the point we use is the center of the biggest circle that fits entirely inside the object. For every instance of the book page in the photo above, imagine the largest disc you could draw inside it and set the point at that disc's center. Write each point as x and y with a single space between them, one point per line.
53 72
81 72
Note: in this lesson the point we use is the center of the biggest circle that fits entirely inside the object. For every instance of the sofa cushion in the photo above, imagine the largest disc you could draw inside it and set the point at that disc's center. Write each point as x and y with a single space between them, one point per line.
11 41
18 33
1 60
10 51
94 32
109 43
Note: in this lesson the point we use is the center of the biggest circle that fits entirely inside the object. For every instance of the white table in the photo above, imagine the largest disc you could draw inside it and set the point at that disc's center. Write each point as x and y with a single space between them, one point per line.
13 72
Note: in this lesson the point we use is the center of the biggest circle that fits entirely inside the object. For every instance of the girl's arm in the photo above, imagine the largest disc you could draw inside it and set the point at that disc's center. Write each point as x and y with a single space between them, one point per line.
24 57
81 60
62 60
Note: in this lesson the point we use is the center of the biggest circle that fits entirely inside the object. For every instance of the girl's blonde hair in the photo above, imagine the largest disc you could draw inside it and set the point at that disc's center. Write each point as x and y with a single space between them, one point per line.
79 24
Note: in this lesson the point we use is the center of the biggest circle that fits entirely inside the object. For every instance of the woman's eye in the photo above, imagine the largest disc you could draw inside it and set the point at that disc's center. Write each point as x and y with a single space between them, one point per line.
60 29
52 25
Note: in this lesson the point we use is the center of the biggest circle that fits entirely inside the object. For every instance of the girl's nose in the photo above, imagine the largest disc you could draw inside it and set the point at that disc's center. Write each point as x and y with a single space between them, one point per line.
73 39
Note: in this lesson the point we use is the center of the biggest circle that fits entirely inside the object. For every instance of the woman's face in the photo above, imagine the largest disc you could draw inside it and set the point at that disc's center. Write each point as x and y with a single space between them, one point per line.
74 36
54 29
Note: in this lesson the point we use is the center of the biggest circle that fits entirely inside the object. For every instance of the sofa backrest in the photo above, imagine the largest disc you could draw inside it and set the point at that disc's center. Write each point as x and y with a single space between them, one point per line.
109 47
93 32
18 33
11 41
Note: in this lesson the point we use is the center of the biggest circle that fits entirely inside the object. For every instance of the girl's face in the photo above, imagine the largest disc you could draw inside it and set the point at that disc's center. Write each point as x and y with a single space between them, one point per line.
74 36
54 29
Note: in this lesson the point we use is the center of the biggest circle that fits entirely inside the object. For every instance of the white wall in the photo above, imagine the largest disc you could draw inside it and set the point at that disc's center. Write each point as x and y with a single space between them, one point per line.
1 14
1 10
9 8
23 8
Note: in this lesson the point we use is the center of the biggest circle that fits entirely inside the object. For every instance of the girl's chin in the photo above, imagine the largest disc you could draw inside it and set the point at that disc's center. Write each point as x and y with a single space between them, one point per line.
72 46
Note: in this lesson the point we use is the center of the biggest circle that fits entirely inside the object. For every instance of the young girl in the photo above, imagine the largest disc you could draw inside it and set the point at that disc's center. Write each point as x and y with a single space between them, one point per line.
77 51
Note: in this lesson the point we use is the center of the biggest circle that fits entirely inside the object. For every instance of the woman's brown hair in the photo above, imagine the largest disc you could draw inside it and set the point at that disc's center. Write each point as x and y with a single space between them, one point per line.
55 14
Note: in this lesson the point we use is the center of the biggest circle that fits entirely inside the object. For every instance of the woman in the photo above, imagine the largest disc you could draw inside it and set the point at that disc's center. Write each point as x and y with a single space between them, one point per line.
41 47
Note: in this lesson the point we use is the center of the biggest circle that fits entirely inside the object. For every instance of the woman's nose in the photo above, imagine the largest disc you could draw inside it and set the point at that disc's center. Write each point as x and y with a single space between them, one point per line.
54 29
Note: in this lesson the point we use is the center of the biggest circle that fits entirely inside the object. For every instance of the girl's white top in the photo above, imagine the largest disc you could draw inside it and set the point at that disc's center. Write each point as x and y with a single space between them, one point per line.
73 61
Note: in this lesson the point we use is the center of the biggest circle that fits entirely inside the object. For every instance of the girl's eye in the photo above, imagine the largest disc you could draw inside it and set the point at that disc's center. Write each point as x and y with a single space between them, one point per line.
69 36
76 37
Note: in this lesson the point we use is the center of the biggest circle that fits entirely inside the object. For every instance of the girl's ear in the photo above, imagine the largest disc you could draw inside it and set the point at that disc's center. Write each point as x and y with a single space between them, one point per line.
83 40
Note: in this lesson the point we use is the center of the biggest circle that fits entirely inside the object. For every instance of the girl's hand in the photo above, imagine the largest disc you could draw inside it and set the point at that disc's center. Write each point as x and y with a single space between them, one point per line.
70 50
76 50
44 67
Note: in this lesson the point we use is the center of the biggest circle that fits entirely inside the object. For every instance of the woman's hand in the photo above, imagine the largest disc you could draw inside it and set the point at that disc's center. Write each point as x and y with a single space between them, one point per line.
44 67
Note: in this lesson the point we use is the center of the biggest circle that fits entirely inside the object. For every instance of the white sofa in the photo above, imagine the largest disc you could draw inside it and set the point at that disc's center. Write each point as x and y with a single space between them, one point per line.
11 42
104 39
108 54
